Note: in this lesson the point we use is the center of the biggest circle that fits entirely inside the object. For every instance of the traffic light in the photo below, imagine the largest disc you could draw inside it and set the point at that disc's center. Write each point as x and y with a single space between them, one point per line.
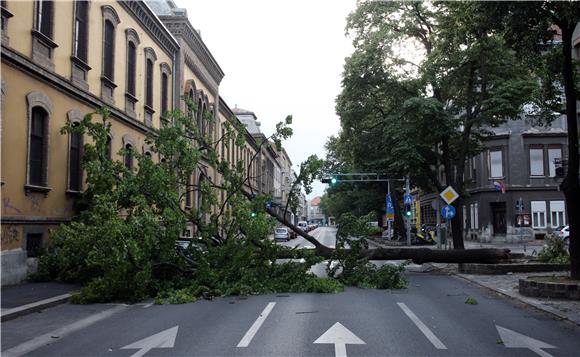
408 211
332 180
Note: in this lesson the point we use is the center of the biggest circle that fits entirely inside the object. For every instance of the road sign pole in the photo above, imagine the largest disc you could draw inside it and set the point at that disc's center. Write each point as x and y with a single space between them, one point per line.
407 190
438 225
388 220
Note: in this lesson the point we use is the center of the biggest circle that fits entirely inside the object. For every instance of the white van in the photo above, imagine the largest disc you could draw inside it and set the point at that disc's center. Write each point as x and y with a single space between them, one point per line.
303 225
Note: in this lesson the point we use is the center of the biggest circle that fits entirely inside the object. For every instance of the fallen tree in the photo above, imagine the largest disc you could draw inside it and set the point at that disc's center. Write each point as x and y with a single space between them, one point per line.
417 255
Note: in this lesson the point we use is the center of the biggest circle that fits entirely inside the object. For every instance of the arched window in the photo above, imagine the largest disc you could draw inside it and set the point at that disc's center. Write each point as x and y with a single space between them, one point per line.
131 68
75 172
165 73
110 22
200 116
109 51
149 84
188 193
37 157
128 159
109 149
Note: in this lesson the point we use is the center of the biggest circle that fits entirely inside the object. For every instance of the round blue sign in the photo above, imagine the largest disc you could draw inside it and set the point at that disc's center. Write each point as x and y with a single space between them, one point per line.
448 212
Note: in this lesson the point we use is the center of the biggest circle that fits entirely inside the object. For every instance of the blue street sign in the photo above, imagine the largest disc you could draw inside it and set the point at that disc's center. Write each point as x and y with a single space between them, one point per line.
408 199
390 208
448 212
269 204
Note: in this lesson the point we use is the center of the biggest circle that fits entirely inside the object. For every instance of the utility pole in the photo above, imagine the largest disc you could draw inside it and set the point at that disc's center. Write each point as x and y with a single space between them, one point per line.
438 225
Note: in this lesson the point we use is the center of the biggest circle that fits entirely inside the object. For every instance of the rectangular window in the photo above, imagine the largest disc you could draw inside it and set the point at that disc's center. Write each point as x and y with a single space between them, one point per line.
44 13
536 162
81 29
538 214
553 154
495 164
557 213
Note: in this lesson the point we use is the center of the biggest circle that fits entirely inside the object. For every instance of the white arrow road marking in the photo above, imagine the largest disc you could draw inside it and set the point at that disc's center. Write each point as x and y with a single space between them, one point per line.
245 341
512 339
163 339
339 336
47 338
426 331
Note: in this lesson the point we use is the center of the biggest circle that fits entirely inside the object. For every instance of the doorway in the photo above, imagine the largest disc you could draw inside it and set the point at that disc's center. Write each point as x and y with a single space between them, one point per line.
498 216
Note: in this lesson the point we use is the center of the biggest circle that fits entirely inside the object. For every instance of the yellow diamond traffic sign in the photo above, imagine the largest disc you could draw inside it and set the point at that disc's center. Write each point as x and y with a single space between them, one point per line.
449 195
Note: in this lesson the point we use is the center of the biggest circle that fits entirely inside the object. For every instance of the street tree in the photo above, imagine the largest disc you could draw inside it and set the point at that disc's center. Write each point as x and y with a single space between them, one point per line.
422 88
541 34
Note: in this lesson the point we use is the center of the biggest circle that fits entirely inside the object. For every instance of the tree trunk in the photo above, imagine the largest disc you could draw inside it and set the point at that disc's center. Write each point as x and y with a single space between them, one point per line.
417 255
570 185
457 224
399 223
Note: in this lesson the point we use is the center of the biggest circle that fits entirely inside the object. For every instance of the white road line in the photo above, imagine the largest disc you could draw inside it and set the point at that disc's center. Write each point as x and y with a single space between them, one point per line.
47 338
426 331
245 342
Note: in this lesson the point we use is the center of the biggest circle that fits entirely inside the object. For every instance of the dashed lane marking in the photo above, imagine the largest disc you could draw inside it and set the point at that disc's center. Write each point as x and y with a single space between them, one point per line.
245 341
422 327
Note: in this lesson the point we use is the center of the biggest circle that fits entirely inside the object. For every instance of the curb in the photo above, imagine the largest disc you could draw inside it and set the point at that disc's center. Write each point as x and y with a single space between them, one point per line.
557 313
10 314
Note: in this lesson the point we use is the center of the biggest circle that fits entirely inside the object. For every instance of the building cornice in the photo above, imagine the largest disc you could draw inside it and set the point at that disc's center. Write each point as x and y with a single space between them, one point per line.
512 189
34 220
545 135
229 115
20 62
180 26
152 24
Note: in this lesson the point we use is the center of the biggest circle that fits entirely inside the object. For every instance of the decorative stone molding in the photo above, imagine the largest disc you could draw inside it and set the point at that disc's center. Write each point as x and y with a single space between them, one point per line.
24 64
74 116
39 99
128 140
150 54
151 23
110 14
79 68
5 16
133 36
180 26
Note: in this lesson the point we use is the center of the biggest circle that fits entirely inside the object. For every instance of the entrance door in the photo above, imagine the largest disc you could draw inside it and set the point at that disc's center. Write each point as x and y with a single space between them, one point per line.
498 217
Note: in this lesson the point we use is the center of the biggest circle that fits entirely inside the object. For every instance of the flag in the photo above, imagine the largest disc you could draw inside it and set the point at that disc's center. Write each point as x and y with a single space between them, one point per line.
499 186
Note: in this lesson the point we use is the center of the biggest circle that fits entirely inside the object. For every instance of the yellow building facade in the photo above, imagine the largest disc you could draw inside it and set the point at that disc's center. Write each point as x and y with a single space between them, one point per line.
60 61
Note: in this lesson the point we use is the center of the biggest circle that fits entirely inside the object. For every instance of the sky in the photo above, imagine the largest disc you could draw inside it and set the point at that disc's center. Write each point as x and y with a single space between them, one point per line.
280 58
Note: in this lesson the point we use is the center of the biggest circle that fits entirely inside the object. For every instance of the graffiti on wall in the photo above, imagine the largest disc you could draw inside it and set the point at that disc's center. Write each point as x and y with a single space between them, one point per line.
7 204
35 201
9 234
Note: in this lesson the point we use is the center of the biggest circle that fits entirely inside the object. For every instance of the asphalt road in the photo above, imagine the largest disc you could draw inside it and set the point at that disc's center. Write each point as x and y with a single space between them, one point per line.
430 318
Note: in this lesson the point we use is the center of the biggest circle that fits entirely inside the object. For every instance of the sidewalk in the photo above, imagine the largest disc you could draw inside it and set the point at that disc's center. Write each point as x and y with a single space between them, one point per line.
23 299
507 284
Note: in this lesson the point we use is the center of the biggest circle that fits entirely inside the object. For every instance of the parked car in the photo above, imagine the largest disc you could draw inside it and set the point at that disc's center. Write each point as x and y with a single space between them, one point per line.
281 234
564 233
